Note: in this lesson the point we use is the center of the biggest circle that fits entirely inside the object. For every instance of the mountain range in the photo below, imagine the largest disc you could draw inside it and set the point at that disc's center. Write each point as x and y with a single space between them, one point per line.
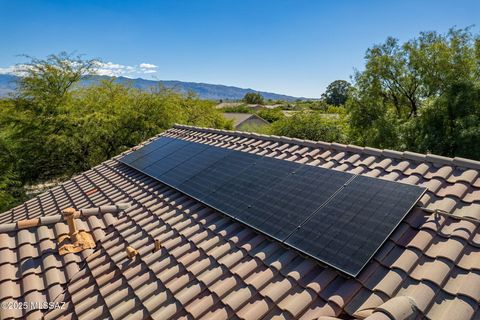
8 84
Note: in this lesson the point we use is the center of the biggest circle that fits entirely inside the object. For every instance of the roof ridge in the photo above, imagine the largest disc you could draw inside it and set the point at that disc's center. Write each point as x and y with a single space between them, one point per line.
405 155
52 219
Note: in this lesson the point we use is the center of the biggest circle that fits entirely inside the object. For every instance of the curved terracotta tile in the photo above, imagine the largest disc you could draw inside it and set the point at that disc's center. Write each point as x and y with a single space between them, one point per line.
201 304
400 166
447 248
297 301
458 228
422 292
8 256
434 184
442 172
320 309
402 259
32 282
365 300
390 283
447 307
472 195
382 164
434 270
260 277
471 210
463 282
469 176
420 169
458 190
256 309
239 297
277 288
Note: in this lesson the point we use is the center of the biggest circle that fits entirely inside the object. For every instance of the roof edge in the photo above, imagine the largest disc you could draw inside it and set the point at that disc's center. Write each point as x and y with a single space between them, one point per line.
405 155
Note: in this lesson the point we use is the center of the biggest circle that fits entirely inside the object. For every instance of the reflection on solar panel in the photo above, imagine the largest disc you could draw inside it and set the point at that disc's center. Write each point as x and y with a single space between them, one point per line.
336 217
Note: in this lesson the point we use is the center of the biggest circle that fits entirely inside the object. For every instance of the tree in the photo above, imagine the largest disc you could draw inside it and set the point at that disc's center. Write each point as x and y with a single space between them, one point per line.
401 80
11 192
312 126
253 98
46 82
40 125
337 92
449 125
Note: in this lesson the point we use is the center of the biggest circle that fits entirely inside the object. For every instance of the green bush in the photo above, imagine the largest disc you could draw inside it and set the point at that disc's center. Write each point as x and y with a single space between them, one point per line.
311 126
271 115
238 109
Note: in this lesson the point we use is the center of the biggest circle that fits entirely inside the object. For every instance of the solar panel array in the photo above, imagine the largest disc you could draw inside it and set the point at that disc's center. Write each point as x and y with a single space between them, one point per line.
336 217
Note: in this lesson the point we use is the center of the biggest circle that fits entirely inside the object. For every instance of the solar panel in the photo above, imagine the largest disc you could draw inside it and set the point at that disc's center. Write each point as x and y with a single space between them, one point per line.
336 217
163 150
287 203
352 226
145 150
220 173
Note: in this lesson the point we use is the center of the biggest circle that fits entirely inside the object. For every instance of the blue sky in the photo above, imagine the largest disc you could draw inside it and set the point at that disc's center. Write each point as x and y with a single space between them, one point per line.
291 47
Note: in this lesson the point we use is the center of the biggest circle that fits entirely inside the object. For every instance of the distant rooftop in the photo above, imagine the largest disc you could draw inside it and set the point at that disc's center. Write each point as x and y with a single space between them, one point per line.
241 120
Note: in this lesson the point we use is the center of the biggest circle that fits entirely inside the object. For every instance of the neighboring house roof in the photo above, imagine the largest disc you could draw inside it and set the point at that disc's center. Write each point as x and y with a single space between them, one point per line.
212 267
240 118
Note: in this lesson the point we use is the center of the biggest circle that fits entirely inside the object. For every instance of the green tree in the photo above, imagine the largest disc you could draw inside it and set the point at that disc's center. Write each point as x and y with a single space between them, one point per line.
238 109
39 122
253 98
400 80
449 125
312 126
47 82
11 191
337 92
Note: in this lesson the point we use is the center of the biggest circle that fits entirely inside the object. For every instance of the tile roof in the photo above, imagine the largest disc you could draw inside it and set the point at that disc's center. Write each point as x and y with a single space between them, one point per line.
239 118
211 267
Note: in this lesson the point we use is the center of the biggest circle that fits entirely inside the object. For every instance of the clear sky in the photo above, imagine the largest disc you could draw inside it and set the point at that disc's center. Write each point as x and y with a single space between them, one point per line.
292 47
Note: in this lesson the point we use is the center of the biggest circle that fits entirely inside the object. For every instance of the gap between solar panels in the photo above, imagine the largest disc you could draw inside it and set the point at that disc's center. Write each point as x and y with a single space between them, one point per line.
338 218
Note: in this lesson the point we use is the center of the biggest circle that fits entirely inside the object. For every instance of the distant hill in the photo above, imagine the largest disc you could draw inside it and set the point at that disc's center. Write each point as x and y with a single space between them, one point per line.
203 90
7 84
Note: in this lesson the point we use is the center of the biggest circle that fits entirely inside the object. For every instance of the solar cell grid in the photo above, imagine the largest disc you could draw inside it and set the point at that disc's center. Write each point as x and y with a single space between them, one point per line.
355 223
218 174
286 204
188 169
145 150
336 217
158 154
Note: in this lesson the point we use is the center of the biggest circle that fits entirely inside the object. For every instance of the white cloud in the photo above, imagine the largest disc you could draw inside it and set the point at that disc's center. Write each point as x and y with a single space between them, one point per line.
117 70
114 69
147 66
8 70
107 69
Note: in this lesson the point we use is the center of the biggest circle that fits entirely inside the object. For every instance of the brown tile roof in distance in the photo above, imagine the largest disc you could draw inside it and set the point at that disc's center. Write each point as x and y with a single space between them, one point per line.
211 267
